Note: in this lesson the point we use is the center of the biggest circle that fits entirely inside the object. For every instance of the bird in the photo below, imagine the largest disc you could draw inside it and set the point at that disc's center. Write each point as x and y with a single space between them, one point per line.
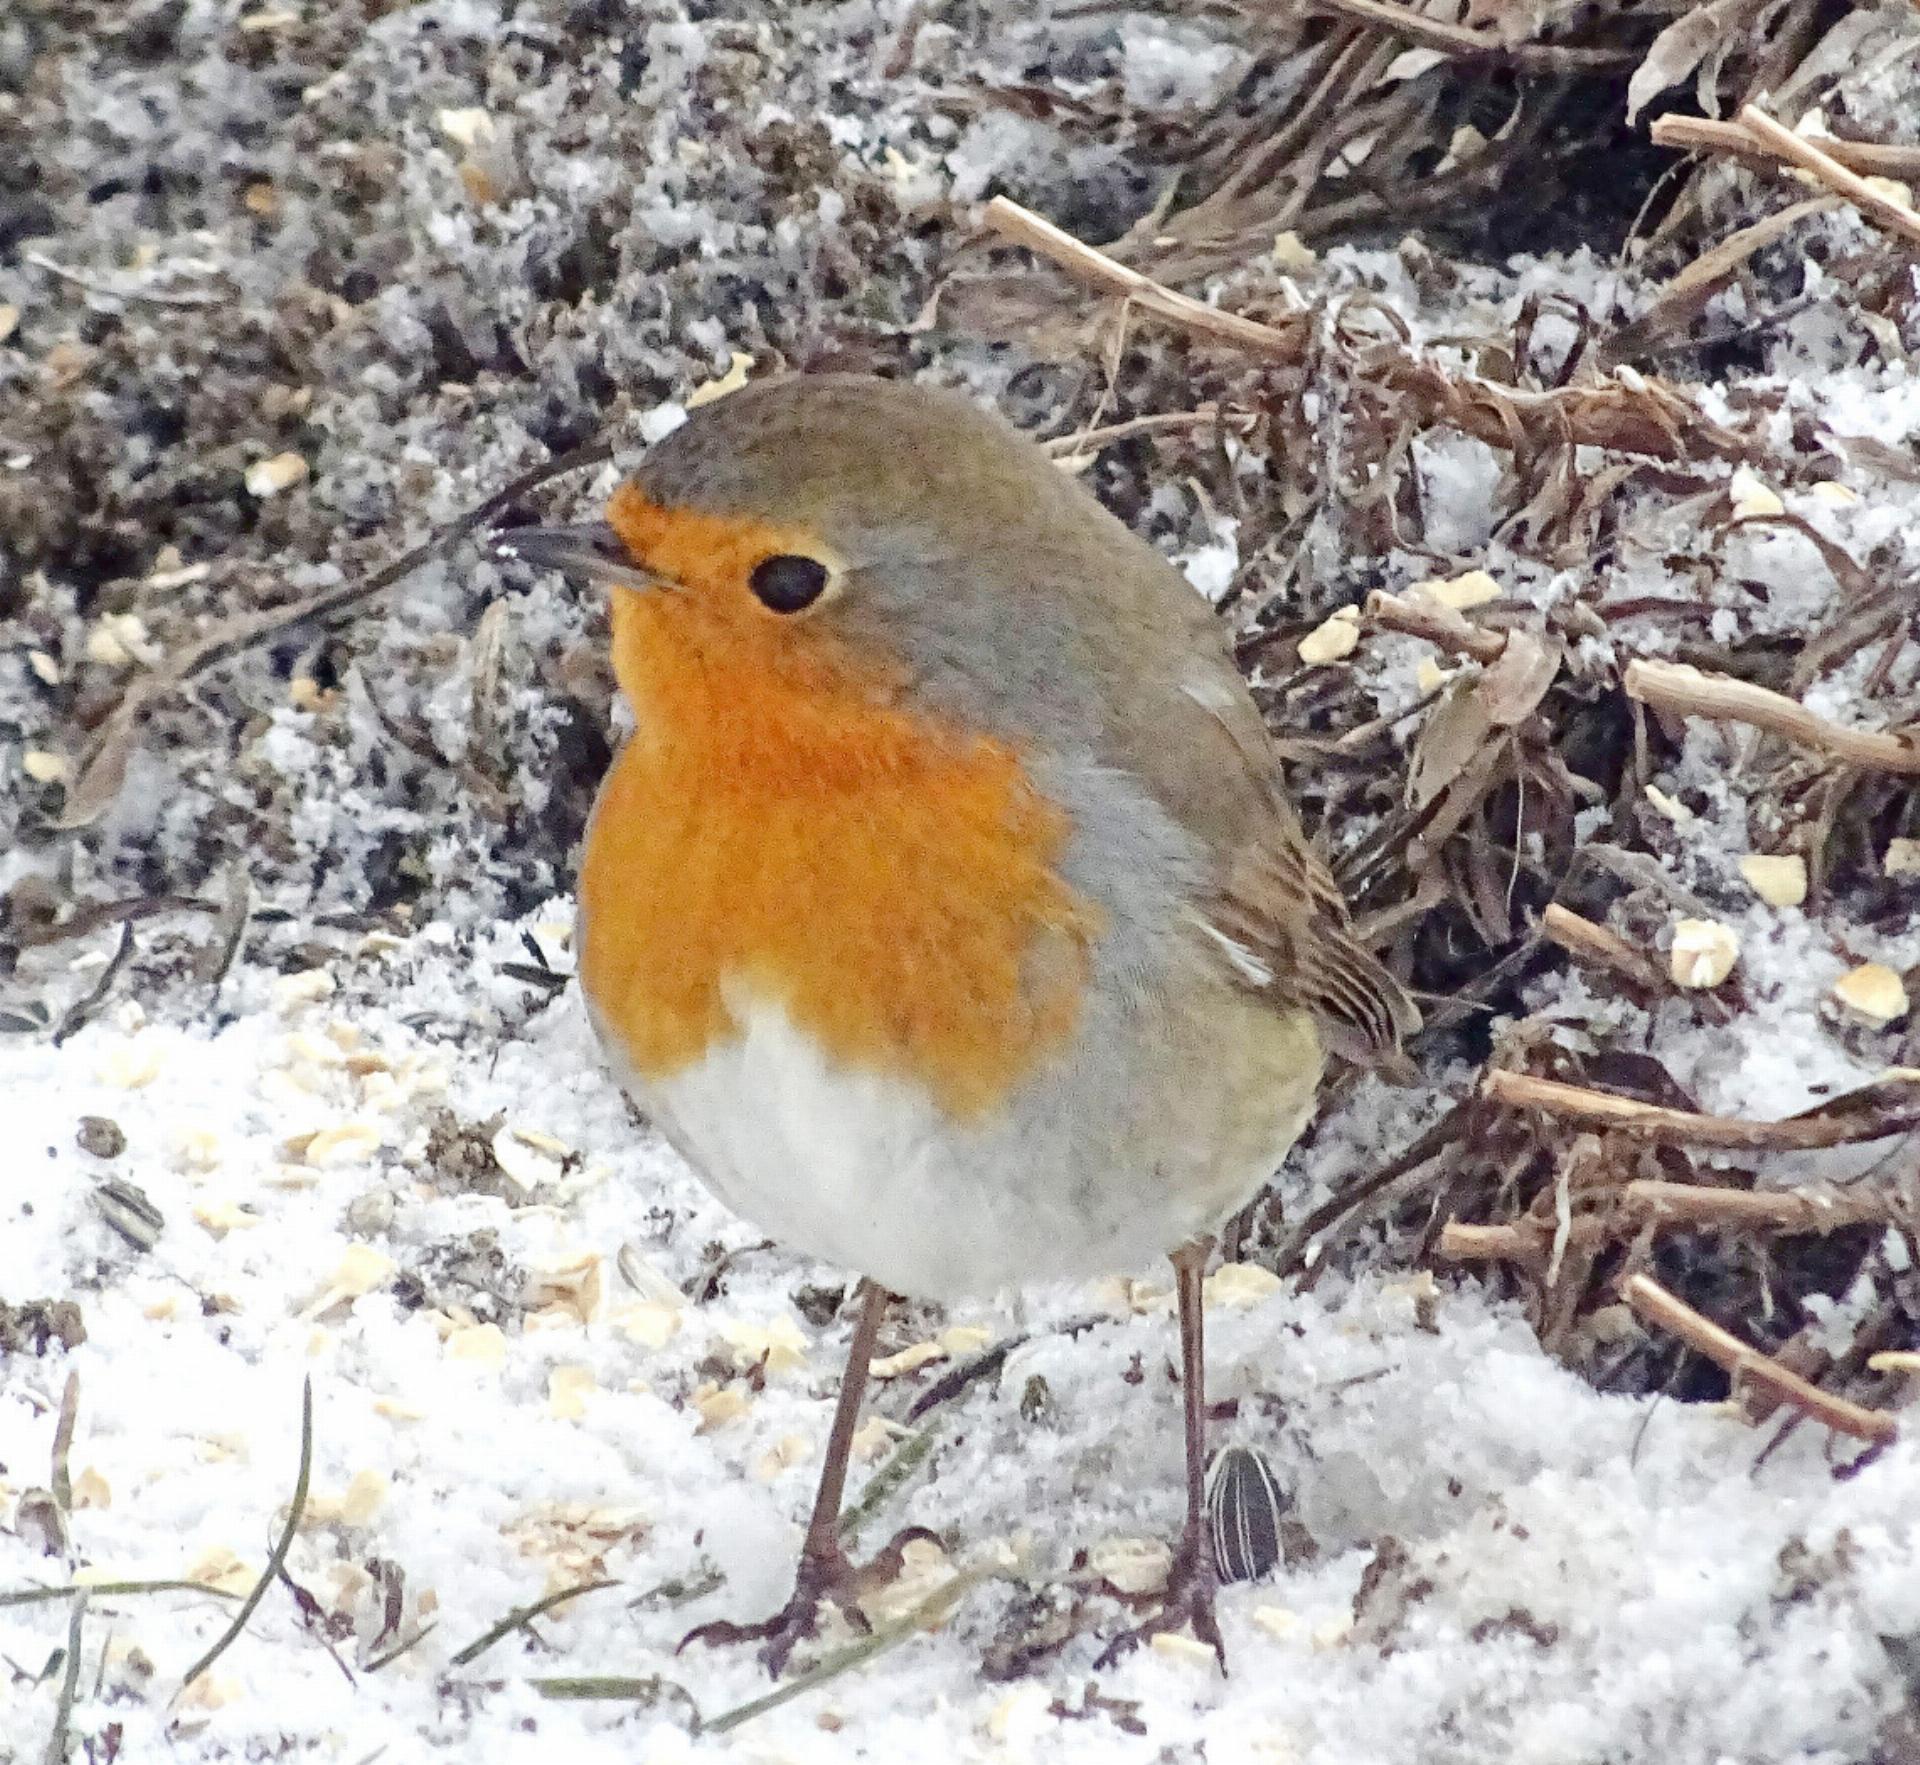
945 909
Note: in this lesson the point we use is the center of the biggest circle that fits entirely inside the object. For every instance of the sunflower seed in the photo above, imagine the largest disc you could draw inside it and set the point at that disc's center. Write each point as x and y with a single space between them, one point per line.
1244 1511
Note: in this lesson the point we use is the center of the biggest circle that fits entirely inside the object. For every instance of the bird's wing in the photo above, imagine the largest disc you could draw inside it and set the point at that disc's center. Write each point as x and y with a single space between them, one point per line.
1274 909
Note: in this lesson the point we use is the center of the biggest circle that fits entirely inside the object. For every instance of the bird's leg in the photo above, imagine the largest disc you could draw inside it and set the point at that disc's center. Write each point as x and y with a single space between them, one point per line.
1193 1577
825 1572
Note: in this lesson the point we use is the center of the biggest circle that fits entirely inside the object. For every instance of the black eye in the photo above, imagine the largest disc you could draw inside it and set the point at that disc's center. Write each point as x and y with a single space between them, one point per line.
787 582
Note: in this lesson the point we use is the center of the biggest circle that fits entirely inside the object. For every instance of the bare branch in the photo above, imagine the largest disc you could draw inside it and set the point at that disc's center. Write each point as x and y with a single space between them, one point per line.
1749 1366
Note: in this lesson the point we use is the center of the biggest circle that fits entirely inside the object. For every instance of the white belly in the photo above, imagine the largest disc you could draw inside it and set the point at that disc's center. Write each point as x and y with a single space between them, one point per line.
864 1169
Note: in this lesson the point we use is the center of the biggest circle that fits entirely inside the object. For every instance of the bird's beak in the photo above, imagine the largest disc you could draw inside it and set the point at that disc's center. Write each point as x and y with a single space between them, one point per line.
588 551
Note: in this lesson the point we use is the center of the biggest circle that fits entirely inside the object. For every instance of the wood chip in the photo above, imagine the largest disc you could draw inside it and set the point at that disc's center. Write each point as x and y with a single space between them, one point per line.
1474 588
718 1405
1779 880
480 1345
1239 1285
44 767
9 320
1903 857
357 1273
1751 497
910 1359
1132 1565
778 1344
342 1146
278 472
466 126
528 1160
1176 1645
648 1323
1704 952
738 367
568 1388
1333 639
1873 991
574 1284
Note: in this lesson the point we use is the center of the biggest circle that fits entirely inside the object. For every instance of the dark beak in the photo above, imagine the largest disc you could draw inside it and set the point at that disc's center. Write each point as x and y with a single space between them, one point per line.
589 551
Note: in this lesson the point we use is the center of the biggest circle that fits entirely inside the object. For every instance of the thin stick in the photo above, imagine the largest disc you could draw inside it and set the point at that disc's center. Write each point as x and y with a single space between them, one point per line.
1666 1206
1024 227
1596 944
1681 691
1898 218
1743 1364
1441 625
1463 43
1152 423
277 1560
35 1596
69 1685
1869 158
1834 1125
524 1615
62 1483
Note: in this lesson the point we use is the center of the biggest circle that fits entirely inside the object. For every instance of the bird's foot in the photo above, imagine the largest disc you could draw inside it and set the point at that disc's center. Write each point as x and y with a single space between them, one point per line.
1191 1584
828 1577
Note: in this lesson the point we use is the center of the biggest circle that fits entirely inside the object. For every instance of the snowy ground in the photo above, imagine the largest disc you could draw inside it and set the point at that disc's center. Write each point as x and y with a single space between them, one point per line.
376 1159
1508 1565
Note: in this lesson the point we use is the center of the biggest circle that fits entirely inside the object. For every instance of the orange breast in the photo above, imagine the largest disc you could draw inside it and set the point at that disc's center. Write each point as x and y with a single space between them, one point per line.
782 825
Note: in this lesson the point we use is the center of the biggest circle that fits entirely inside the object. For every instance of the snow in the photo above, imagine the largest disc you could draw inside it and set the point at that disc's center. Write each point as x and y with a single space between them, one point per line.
1583 1575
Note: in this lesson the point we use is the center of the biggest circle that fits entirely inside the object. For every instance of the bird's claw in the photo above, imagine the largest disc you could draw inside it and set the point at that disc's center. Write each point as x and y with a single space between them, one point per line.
824 1577
1191 1584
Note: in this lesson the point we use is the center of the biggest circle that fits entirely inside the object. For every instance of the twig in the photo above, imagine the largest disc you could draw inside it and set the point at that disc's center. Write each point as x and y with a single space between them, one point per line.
82 1011
1788 1211
1465 44
401 1648
1741 1363
1067 447
1898 218
1834 1124
62 1480
1679 690
1444 626
1869 158
1024 227
69 1684
1663 1205
277 1560
1595 943
1430 1145
35 1596
522 1615
923 1616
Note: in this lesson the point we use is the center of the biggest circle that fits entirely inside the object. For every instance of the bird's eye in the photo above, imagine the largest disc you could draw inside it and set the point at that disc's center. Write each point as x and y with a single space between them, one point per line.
788 582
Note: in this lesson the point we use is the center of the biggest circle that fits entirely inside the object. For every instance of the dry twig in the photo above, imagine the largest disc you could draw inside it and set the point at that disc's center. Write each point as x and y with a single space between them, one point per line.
1873 1113
1676 689
1593 943
1649 1202
1461 42
1748 1365
1869 158
1440 625
1894 216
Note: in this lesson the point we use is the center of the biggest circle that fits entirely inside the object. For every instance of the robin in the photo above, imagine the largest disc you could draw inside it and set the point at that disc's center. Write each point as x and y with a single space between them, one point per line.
945 909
